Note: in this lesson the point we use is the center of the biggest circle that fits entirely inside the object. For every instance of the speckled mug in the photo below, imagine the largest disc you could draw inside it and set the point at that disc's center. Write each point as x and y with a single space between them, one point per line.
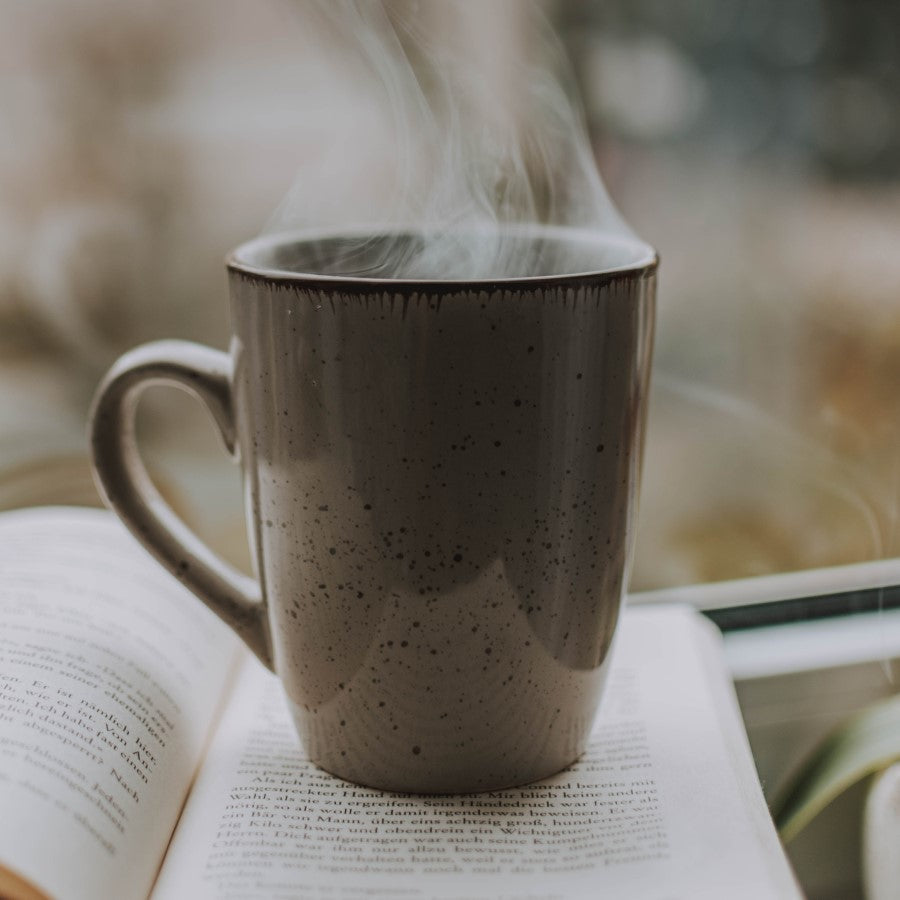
441 480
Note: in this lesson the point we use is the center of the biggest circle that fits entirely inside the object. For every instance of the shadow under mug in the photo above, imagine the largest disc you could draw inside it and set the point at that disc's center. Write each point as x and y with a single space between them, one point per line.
440 482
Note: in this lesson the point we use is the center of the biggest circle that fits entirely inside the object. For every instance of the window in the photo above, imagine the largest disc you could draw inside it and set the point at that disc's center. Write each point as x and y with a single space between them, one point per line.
756 145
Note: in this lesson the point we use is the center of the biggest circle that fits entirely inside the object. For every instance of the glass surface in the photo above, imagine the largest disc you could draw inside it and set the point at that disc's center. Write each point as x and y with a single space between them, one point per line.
756 146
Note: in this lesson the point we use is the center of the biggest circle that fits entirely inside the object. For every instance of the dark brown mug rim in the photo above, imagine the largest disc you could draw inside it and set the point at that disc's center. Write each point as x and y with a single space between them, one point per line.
645 265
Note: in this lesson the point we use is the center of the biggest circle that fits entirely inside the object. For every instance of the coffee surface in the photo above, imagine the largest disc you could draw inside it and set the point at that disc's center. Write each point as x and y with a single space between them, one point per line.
464 255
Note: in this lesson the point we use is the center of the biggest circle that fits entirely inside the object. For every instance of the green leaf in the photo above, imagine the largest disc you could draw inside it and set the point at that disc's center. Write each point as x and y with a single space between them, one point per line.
866 744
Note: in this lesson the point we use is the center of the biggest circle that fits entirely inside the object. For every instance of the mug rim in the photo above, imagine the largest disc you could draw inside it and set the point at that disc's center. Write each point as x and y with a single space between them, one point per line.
239 261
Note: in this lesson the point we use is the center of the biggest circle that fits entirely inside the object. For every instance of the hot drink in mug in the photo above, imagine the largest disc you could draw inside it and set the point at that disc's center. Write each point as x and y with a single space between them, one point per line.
441 477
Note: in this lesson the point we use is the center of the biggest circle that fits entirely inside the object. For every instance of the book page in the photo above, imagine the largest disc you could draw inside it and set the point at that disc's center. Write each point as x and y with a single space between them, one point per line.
110 678
664 804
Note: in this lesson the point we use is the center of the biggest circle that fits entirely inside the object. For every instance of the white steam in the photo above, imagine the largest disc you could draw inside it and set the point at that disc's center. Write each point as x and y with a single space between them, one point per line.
454 121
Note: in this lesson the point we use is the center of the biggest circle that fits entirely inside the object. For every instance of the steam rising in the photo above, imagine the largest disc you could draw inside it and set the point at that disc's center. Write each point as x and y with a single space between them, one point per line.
456 124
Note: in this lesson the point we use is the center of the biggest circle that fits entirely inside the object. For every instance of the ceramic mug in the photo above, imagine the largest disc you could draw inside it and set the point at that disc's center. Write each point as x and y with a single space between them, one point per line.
441 479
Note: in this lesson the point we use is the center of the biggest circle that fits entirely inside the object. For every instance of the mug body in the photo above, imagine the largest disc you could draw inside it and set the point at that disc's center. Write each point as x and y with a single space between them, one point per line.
441 480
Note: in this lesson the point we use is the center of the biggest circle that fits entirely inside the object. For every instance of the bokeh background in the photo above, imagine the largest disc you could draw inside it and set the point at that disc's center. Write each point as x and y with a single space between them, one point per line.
756 144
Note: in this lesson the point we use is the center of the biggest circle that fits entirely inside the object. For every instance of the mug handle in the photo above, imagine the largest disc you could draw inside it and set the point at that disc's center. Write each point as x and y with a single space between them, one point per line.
125 485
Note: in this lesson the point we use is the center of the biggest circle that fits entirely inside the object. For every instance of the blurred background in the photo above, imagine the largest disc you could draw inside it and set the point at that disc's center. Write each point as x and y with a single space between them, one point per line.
755 144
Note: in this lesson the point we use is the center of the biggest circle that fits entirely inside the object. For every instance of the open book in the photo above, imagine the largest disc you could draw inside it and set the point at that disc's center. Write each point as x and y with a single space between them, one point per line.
143 753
